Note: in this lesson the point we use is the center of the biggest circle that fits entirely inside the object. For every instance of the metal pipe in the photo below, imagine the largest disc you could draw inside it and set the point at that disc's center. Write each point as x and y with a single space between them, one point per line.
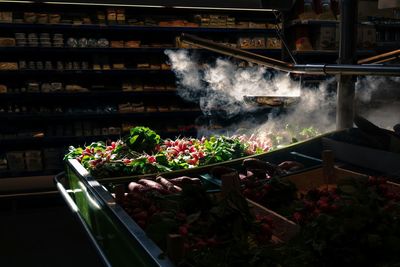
312 69
347 55
237 53
389 56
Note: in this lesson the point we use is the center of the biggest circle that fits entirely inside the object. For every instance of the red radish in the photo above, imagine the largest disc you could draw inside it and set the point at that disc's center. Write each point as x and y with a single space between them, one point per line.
183 230
151 159
297 216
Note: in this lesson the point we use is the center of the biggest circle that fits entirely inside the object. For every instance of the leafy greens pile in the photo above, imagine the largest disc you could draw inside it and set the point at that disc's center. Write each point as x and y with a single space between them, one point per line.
143 151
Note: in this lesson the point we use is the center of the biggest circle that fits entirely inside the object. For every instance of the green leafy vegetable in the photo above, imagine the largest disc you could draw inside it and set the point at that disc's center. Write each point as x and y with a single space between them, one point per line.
143 139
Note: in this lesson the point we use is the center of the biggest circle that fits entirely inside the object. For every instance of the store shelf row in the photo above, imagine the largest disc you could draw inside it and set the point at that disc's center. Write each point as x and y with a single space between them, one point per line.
108 93
98 116
118 27
317 22
128 71
46 50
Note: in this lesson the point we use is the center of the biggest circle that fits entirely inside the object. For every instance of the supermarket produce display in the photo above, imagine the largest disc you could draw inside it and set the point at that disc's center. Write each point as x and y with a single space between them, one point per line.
144 152
288 197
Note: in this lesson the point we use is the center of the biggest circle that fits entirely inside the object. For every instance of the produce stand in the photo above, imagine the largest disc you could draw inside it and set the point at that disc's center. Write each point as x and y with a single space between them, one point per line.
122 242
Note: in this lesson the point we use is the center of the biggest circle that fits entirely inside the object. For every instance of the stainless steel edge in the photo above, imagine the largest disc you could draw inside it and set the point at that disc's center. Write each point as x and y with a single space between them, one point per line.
75 210
106 200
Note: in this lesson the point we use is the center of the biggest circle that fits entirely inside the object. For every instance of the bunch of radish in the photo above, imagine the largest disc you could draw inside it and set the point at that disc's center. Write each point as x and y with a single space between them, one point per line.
183 150
254 144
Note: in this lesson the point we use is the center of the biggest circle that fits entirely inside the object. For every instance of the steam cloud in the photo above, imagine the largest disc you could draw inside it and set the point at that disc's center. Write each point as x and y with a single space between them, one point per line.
372 95
223 83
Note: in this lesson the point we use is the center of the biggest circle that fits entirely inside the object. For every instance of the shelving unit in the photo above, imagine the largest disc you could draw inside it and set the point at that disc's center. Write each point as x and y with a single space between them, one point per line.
60 117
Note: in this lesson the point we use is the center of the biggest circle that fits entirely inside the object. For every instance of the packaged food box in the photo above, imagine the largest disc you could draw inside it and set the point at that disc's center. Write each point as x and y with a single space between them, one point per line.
30 17
42 18
7 41
132 44
33 87
273 43
368 36
257 25
15 160
3 163
244 42
303 44
325 38
3 88
54 18
8 66
101 17
258 42
6 16
117 44
111 15
121 16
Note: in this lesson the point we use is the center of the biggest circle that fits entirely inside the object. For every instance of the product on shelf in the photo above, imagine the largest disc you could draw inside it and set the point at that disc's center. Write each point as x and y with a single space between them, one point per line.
118 66
6 16
325 38
3 88
54 18
42 18
39 65
165 66
308 10
143 65
33 160
58 40
170 87
82 42
367 36
121 16
56 86
15 161
111 16
8 66
131 44
244 42
3 162
101 17
117 44
151 109
46 87
163 108
258 42
303 44
75 88
29 17
103 43
273 43
257 25
326 11
7 41
125 108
